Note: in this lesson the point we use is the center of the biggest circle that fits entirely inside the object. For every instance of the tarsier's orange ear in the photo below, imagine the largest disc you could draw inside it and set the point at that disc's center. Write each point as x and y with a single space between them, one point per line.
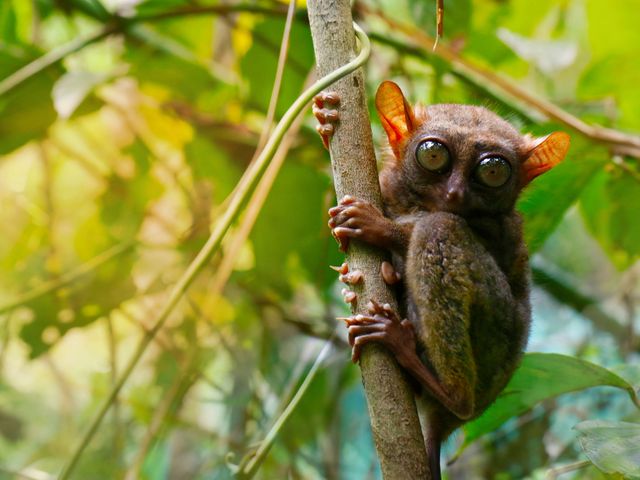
545 153
395 114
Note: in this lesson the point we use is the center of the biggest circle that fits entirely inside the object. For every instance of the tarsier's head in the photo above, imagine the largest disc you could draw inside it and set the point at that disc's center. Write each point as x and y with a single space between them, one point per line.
459 158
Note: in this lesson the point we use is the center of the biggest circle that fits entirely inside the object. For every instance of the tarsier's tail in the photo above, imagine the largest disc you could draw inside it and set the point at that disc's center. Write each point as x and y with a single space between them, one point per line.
433 454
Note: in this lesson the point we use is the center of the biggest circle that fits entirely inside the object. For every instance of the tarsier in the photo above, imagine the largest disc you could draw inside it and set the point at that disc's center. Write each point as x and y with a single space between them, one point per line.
449 188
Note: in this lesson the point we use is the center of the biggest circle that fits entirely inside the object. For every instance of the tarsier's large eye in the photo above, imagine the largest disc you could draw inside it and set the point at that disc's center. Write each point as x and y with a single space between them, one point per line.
433 156
493 171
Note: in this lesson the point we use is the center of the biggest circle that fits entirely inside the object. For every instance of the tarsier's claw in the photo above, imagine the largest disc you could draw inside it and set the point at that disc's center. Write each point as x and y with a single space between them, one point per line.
342 269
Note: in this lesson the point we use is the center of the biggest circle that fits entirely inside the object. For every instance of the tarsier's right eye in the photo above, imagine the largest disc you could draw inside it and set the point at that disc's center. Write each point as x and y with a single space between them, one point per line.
433 156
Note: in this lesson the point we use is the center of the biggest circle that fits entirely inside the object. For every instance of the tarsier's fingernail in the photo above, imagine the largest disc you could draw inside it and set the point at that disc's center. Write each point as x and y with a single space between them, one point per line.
344 291
344 319
350 297
387 307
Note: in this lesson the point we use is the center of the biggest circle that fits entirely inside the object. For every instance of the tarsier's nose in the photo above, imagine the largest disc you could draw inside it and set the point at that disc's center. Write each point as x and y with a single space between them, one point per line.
455 195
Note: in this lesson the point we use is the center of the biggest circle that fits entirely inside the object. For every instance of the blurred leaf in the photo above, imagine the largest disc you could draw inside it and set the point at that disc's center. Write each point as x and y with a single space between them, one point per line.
78 304
7 22
27 111
71 89
258 66
161 61
548 55
209 162
288 233
542 376
611 446
608 208
544 203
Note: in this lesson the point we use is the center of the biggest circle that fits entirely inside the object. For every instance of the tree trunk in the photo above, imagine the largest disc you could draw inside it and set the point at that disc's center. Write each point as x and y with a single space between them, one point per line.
394 419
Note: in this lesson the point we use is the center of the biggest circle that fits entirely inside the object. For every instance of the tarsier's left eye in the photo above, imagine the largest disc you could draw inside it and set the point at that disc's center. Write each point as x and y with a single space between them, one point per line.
493 171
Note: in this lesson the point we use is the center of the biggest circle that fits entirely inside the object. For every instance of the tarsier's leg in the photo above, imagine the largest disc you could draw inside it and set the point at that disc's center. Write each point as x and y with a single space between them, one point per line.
439 282
443 259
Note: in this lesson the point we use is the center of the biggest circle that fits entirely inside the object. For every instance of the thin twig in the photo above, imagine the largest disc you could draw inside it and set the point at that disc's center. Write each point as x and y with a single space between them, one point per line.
52 57
439 22
554 473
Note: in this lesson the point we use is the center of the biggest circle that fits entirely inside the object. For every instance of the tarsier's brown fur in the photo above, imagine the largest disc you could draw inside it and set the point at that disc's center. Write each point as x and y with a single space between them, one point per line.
458 247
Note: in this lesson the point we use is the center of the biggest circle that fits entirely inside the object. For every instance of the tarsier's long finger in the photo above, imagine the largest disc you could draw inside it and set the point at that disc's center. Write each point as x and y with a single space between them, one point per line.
357 330
361 341
389 274
361 320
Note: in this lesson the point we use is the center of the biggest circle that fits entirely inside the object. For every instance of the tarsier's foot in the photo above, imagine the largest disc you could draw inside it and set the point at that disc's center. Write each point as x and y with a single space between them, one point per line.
382 325
353 218
324 110
350 278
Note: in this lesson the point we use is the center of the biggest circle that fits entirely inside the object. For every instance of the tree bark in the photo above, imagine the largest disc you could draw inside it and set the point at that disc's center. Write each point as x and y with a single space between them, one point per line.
394 419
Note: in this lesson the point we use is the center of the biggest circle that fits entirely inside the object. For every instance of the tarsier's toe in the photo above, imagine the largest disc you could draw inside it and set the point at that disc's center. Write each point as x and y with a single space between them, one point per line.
389 273
385 310
352 278
342 269
332 98
325 129
349 296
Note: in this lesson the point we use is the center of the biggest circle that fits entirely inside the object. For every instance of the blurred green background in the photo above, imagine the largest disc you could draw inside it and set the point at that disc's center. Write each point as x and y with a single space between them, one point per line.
125 126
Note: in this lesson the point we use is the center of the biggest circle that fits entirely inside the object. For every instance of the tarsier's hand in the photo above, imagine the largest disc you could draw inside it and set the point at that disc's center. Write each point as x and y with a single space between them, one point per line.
324 109
382 325
353 218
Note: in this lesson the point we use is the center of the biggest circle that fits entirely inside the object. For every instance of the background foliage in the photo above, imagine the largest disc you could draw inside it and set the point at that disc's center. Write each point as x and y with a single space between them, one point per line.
120 142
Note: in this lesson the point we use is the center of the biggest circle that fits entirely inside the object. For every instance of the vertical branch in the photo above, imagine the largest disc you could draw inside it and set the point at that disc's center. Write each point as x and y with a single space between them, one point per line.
394 419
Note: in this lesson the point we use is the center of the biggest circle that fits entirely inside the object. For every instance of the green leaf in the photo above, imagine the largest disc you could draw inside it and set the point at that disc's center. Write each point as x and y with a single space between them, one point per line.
542 376
611 446
609 209
27 111
544 203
